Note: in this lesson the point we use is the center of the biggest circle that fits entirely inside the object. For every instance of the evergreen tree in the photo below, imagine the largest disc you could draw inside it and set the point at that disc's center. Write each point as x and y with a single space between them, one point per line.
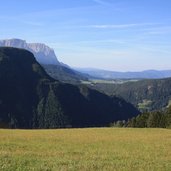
154 119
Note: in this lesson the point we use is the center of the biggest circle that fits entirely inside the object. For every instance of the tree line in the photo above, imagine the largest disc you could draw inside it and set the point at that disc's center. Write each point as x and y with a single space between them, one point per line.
154 119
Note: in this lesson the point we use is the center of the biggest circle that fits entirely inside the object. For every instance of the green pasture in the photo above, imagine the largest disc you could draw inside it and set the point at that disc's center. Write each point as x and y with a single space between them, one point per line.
115 149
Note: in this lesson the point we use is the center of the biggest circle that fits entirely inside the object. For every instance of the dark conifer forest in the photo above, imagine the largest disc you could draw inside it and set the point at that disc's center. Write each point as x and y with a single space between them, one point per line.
30 98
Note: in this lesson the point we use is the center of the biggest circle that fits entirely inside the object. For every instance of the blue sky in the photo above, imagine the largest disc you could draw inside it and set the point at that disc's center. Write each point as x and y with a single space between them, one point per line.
120 35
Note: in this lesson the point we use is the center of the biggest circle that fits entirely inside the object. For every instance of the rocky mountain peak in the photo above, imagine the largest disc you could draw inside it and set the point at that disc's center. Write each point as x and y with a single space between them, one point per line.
13 43
39 47
42 52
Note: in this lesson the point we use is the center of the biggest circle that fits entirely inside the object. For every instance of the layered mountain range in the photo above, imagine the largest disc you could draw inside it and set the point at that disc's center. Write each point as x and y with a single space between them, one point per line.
104 74
30 98
48 59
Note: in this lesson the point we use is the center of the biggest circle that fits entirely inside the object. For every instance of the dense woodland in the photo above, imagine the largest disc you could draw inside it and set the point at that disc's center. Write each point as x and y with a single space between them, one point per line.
29 98
155 119
147 95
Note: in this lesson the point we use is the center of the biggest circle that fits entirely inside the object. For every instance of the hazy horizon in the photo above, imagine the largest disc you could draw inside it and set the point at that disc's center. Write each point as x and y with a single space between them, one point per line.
116 35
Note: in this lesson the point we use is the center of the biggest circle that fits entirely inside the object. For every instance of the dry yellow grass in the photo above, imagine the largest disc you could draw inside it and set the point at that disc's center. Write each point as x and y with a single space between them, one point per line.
86 149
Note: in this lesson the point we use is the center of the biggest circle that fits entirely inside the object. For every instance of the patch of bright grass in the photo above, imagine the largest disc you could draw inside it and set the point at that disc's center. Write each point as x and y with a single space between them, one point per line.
145 104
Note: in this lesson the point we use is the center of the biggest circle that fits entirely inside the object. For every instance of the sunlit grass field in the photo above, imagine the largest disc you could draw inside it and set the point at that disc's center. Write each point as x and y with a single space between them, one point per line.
86 149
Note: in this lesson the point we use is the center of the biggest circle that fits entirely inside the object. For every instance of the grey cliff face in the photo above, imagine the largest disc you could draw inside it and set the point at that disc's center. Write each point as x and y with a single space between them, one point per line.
42 53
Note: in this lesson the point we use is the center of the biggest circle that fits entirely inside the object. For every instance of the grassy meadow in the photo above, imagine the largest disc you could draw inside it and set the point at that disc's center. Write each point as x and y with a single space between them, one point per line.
86 149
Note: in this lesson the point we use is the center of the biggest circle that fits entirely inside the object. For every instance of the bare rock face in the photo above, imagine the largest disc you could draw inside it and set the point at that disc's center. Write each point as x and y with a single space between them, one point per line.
43 53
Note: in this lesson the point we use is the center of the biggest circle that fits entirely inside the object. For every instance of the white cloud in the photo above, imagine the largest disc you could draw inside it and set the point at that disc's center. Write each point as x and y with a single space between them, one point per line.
158 30
120 26
101 2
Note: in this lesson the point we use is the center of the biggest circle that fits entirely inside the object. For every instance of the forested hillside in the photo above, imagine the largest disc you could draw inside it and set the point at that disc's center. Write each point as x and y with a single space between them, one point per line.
29 98
147 95
65 74
155 119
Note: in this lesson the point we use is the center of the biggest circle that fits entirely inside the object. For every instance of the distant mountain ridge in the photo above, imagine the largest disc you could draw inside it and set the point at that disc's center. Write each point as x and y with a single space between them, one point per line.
147 74
43 53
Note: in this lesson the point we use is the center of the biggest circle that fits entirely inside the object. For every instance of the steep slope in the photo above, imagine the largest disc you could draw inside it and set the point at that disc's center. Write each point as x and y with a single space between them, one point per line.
29 98
147 95
19 76
65 74
47 58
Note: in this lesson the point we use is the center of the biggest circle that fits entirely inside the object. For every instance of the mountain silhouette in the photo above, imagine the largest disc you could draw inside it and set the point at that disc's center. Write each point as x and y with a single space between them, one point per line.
30 98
